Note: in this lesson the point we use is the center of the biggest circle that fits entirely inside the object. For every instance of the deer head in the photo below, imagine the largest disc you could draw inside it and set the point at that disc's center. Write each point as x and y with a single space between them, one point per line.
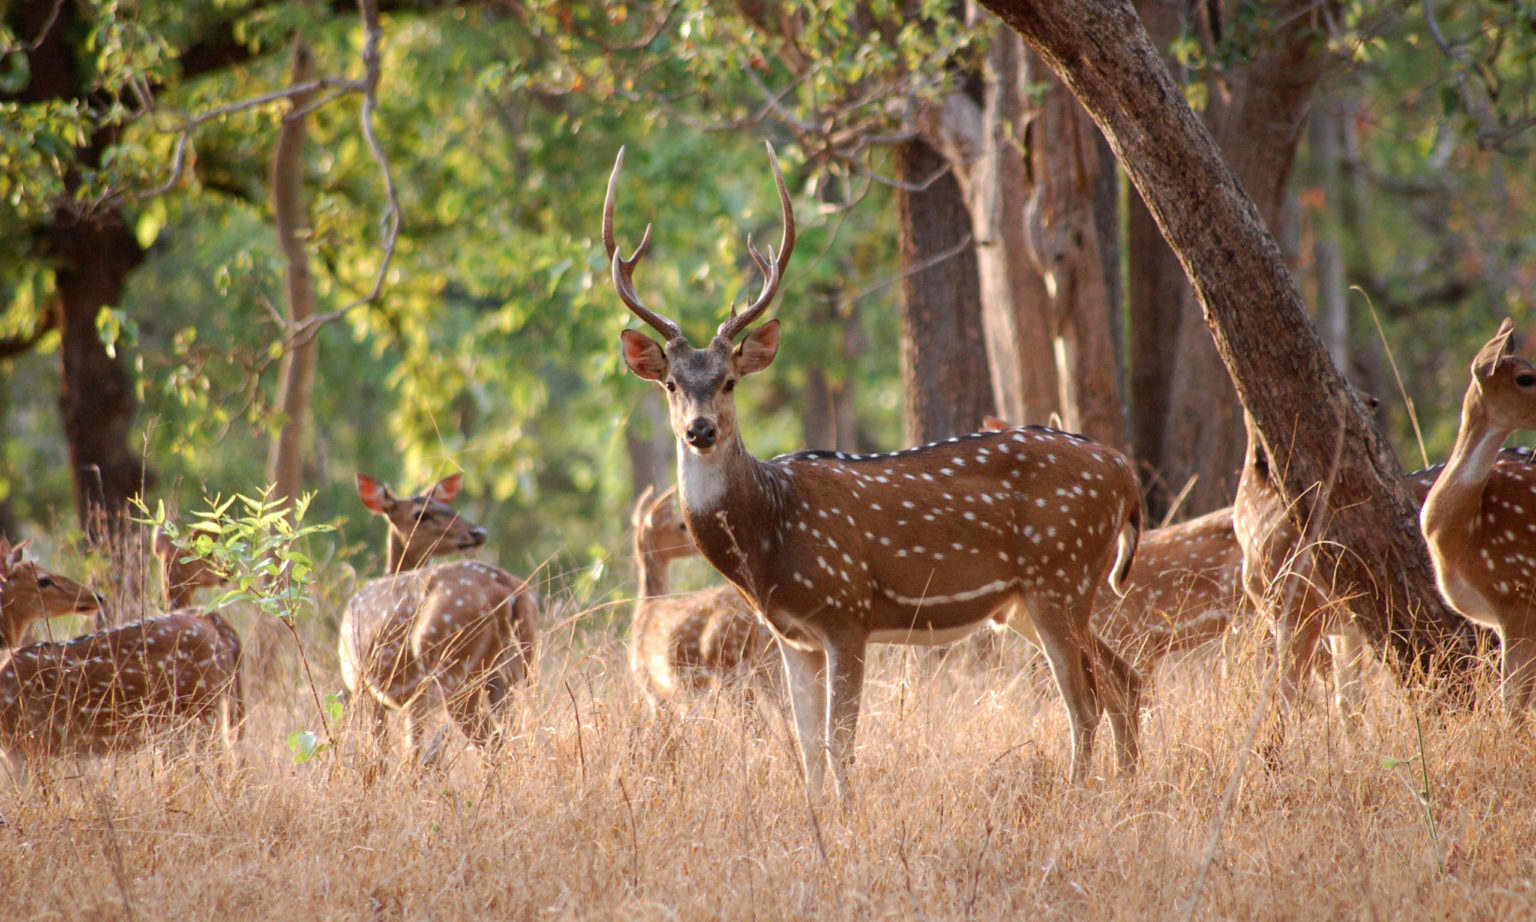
701 383
423 525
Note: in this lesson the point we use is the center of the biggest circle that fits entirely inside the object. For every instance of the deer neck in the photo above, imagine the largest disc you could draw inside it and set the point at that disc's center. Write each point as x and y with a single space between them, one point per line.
653 574
732 503
400 555
1457 496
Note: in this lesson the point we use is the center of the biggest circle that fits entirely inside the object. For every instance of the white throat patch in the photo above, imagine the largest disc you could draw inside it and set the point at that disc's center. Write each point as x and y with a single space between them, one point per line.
700 479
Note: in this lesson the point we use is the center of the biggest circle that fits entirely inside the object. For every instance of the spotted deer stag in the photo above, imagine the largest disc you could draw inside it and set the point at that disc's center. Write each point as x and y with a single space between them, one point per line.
112 690
920 546
689 642
460 632
1479 518
183 573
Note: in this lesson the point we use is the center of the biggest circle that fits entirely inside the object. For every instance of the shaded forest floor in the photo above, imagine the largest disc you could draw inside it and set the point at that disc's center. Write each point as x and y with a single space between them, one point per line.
597 810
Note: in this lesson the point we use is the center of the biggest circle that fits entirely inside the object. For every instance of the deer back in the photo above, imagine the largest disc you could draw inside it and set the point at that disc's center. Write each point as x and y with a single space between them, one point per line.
1183 590
111 690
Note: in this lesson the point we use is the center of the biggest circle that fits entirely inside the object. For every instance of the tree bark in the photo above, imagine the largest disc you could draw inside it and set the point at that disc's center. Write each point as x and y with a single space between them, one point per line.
1312 426
1073 228
285 464
943 354
983 145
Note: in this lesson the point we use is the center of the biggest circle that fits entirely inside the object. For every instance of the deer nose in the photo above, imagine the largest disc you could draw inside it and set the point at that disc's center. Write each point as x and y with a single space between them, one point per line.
477 534
701 433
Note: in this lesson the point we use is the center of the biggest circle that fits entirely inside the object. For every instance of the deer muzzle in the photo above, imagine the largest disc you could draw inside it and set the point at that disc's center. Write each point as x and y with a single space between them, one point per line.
701 433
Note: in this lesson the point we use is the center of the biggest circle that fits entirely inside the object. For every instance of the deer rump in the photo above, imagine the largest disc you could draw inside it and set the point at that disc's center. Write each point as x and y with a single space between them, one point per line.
113 690
443 627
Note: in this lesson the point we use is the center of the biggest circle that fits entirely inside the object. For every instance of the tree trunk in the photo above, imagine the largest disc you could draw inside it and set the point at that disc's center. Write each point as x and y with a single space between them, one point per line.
1326 136
92 260
943 353
286 461
982 143
1314 429
1072 227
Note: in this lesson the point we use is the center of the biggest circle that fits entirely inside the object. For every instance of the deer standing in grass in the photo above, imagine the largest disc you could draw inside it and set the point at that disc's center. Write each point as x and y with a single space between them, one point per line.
921 546
1479 518
461 632
1281 579
183 573
112 690
689 642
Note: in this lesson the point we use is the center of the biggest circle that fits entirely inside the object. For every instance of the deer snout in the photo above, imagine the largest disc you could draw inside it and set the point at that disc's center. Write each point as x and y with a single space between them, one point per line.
476 537
701 433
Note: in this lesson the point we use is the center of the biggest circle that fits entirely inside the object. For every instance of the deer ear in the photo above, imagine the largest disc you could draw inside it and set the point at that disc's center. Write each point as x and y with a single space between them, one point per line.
446 489
756 352
1495 349
644 355
375 496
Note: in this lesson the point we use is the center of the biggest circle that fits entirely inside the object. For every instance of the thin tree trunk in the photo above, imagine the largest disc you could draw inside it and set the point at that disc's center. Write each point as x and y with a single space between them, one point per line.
1326 137
286 462
1314 429
943 353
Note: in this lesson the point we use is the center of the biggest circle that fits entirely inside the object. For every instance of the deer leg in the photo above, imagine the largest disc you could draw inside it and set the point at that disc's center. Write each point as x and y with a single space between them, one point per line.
806 672
845 683
1517 669
1071 665
1347 654
470 711
1120 688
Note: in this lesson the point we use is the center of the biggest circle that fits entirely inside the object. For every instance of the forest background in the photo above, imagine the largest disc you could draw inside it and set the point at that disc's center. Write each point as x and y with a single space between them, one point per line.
254 243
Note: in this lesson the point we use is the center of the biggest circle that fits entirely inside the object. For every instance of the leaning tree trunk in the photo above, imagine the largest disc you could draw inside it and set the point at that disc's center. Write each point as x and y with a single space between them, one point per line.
943 354
1315 430
300 356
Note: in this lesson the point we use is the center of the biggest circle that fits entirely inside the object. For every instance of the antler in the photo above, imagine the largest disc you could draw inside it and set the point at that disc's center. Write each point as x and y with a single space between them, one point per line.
773 270
624 269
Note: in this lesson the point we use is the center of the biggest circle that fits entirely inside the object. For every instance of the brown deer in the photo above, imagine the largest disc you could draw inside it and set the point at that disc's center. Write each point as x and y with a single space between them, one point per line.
461 632
1281 579
1183 590
1479 518
921 546
183 573
688 643
111 690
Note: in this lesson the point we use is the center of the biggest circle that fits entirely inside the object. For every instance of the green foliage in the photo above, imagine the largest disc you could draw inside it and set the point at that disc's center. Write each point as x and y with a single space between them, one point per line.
254 542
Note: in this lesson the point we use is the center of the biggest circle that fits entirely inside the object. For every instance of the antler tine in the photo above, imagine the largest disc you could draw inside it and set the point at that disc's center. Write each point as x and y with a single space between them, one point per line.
773 269
624 269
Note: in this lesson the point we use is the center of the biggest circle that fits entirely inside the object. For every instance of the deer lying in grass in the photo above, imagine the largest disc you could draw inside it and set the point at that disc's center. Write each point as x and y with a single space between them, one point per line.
1479 518
460 632
691 642
920 546
112 690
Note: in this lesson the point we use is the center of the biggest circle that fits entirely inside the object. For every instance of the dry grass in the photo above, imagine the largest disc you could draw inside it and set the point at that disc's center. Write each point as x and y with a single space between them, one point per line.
963 811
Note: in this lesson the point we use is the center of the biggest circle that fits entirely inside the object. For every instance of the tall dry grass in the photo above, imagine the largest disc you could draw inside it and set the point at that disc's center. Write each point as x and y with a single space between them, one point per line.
598 810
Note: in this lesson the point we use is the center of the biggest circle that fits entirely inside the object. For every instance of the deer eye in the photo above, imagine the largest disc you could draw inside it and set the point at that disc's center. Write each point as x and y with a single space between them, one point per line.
671 387
730 385
1525 378
45 581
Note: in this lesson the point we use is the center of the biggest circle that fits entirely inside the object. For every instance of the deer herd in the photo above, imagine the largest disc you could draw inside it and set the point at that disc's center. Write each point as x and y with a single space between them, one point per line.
823 553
